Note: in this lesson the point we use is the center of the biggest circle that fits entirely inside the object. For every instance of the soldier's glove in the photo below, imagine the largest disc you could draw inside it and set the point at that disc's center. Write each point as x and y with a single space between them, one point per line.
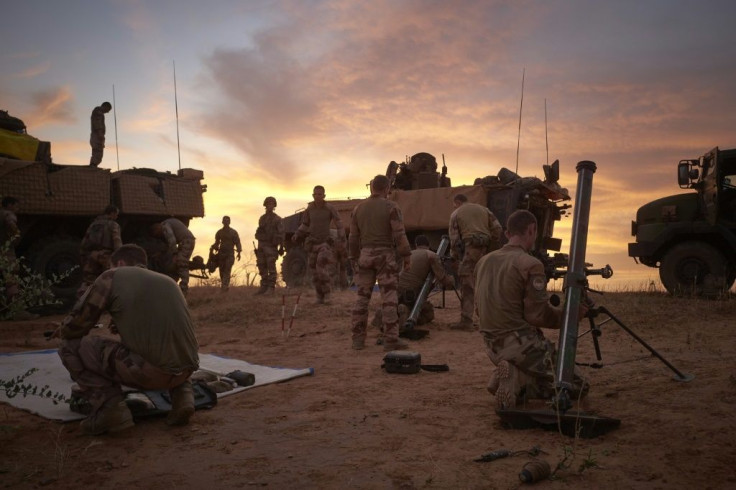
281 250
238 256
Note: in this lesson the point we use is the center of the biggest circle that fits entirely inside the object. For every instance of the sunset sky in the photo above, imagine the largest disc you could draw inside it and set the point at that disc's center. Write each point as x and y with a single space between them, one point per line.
277 96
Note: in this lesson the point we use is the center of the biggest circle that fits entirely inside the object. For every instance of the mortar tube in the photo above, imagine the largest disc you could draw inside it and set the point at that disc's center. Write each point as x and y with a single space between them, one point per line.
574 284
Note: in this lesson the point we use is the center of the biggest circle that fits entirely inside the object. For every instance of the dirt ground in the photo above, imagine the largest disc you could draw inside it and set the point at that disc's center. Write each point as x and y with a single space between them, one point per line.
351 425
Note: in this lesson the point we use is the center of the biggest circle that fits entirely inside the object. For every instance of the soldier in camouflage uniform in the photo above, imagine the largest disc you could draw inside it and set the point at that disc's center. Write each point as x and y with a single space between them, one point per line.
474 231
319 245
376 237
97 132
270 235
181 245
157 348
9 237
100 241
513 305
226 239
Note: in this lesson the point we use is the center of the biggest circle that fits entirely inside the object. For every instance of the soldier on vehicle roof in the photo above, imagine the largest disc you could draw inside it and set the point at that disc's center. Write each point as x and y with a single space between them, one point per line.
97 132
270 235
100 240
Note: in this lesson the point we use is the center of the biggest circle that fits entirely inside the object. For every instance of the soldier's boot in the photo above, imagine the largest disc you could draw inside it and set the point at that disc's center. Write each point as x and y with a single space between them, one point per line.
182 404
397 344
358 344
113 418
377 318
507 389
270 291
261 290
465 324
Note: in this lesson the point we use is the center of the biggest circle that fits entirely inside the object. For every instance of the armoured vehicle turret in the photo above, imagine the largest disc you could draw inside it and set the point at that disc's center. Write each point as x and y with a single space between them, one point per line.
425 197
691 237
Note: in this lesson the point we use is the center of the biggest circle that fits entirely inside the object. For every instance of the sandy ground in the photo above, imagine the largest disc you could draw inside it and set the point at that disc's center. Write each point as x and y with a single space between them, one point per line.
351 425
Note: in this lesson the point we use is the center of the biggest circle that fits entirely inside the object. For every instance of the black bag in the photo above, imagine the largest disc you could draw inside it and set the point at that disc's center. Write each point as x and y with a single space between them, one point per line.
408 362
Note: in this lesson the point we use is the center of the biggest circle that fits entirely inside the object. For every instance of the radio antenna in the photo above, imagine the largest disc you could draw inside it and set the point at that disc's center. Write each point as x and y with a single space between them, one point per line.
115 120
518 139
176 107
546 141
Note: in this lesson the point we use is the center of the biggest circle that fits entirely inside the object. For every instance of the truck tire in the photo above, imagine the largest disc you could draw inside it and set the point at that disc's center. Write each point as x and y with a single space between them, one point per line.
294 268
55 256
696 269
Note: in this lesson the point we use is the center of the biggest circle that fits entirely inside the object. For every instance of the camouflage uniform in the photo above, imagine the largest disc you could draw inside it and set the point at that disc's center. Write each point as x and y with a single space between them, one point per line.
474 231
376 236
411 281
181 244
9 236
319 244
100 241
97 135
270 235
226 239
513 305
158 347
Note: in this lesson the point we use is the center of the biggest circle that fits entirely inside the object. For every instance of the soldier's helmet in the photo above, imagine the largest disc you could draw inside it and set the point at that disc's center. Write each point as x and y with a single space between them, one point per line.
269 199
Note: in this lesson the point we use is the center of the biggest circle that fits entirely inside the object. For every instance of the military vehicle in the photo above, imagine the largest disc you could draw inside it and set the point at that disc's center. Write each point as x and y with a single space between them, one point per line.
15 142
58 202
691 237
425 198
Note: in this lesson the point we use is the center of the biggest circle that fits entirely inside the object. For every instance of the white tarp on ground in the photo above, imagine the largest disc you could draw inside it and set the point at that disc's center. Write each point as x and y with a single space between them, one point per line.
51 372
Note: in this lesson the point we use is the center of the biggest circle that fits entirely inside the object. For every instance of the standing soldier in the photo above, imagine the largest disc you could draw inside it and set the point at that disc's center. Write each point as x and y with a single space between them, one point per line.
474 231
376 236
319 244
100 241
97 133
225 240
270 236
181 245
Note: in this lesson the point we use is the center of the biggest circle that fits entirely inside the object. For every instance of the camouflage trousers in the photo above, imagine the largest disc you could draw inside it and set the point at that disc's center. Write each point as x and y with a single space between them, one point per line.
266 255
377 264
535 358
426 313
465 275
100 367
183 254
94 263
322 266
225 263
98 147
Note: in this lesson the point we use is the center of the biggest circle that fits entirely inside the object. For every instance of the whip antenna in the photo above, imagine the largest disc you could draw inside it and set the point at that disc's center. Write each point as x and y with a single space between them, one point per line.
546 142
518 139
115 119
176 107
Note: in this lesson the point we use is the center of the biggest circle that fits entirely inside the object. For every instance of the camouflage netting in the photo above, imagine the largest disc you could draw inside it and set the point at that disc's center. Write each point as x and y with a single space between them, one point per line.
157 194
46 188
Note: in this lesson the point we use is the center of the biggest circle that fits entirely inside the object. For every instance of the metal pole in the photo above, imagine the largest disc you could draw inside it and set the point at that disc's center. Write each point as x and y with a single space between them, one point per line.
575 282
176 107
115 119
521 106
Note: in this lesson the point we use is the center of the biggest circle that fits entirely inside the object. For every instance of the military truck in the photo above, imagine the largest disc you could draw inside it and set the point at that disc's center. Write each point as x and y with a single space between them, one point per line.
58 202
691 237
425 198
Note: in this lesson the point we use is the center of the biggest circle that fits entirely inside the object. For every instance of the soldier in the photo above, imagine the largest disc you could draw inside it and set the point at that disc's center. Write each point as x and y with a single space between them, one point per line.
319 244
9 239
270 236
157 348
181 245
474 231
376 236
226 239
100 241
512 306
97 133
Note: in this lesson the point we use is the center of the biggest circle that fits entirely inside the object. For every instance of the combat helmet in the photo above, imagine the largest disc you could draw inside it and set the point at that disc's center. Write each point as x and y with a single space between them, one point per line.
270 199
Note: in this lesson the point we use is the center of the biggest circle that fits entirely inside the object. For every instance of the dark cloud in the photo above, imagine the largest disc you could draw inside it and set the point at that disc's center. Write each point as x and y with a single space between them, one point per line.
52 106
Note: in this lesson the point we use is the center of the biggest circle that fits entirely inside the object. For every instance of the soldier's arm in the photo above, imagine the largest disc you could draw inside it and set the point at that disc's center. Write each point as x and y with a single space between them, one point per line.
280 233
354 237
117 241
236 241
303 226
496 230
435 263
399 234
170 237
454 233
88 309
338 223
537 309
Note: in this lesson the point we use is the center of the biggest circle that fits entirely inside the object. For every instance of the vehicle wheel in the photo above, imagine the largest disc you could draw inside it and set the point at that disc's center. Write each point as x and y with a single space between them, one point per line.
696 269
294 267
56 256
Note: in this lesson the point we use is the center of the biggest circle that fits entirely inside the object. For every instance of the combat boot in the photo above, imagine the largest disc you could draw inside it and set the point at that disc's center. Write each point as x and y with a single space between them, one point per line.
113 418
270 291
397 344
182 404
464 324
358 344
507 386
261 290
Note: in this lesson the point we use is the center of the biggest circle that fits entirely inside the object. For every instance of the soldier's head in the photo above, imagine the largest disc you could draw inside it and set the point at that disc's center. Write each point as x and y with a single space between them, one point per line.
459 200
10 202
380 185
270 203
421 241
226 220
106 106
129 254
318 193
111 211
521 228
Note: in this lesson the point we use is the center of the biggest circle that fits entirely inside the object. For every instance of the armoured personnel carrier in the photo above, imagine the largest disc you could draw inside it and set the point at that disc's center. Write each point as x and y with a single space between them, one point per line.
425 198
58 202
